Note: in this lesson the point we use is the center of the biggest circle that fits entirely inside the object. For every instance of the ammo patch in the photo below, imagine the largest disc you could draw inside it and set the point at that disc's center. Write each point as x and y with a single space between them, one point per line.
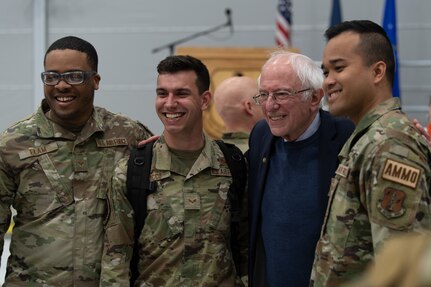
401 173
391 205
342 170
111 142
35 151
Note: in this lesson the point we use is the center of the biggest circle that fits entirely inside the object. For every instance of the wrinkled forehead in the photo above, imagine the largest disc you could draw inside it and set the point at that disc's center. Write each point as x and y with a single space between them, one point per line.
278 74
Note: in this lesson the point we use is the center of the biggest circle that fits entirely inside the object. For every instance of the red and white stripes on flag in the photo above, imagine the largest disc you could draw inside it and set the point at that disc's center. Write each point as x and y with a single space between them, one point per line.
283 24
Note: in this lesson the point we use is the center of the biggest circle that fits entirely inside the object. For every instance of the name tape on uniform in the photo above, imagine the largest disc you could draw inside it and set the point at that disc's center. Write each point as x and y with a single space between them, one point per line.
111 142
36 151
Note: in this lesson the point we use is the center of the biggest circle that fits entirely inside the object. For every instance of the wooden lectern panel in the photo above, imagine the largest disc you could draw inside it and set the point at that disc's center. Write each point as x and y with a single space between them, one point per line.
223 63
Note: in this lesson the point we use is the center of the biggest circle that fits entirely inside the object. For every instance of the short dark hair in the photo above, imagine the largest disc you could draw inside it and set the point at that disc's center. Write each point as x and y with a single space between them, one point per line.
178 63
77 44
374 43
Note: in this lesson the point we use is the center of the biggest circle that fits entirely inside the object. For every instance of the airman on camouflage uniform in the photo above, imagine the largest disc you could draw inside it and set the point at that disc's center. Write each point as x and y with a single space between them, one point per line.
380 189
185 239
59 184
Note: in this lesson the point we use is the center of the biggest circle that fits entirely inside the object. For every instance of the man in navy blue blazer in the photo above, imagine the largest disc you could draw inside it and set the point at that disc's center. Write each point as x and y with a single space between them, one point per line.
292 158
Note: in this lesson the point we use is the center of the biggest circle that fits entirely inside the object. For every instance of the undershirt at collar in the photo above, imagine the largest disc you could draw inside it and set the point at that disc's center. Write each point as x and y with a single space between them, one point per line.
312 128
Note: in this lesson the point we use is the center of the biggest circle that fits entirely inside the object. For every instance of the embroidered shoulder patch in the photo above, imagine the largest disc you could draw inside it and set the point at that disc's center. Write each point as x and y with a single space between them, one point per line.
401 173
391 205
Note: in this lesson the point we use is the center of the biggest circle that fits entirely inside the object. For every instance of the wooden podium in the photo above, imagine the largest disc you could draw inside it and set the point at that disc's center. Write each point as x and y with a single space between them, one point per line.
223 63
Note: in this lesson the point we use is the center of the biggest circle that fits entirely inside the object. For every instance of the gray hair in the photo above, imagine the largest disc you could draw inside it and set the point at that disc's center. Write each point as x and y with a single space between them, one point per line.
308 71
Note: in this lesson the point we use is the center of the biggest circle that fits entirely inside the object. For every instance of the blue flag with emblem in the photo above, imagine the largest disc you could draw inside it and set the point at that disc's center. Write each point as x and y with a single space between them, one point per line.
336 13
390 26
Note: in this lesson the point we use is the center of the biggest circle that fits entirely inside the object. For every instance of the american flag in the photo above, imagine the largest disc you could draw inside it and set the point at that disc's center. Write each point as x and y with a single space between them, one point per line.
283 22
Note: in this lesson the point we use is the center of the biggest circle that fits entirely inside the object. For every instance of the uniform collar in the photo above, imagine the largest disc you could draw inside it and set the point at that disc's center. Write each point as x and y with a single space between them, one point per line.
377 112
370 117
209 156
49 129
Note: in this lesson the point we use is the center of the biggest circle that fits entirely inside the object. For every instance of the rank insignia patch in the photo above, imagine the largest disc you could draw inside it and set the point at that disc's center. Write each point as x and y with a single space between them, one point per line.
391 205
192 201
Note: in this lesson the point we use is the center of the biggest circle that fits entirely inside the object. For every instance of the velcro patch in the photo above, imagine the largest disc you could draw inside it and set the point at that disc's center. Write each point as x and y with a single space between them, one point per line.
342 170
401 173
192 201
111 142
391 205
222 171
36 151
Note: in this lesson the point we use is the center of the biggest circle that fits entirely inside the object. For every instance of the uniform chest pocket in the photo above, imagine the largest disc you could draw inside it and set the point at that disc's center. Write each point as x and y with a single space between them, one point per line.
347 221
215 206
41 188
165 217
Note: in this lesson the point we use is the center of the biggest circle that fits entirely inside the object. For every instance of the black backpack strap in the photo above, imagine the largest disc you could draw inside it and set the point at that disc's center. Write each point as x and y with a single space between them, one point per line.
138 189
238 168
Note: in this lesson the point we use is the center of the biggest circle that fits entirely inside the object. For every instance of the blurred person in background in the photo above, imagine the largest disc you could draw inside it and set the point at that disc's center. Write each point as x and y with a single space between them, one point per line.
233 100
404 261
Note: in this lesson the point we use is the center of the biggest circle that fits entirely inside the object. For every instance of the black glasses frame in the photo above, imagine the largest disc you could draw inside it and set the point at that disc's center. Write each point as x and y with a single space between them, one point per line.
85 75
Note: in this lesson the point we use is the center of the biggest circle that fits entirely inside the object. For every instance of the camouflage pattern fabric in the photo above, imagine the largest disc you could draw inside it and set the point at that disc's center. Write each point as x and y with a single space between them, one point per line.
380 189
119 234
404 261
58 183
239 139
185 239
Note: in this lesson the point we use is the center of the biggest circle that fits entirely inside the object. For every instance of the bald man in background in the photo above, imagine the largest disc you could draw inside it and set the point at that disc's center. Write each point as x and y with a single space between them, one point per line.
234 103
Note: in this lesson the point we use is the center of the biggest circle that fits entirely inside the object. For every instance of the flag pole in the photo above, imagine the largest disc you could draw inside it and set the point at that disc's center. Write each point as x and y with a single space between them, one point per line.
390 26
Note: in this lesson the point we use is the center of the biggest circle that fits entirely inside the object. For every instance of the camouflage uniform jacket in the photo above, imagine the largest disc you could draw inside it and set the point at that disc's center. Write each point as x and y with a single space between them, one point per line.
58 183
239 139
380 189
186 237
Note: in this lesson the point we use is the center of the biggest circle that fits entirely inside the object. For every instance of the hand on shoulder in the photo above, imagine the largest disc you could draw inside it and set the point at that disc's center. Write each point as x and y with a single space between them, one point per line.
150 139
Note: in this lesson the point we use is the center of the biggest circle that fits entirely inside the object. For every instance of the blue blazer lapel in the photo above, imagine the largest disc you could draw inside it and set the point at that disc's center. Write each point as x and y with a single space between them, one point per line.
264 156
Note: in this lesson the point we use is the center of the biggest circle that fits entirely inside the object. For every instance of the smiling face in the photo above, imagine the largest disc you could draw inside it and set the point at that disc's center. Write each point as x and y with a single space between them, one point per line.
179 105
289 119
348 81
71 105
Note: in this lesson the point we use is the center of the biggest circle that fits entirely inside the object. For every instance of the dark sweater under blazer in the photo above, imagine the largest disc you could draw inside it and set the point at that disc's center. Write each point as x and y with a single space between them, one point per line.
334 132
